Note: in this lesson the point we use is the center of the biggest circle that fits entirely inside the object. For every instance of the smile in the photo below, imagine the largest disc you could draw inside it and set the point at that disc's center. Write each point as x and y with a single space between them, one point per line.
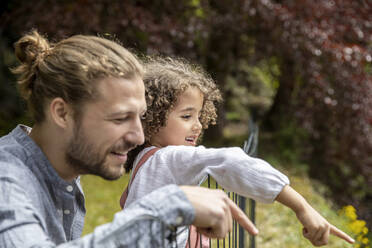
192 140
121 156
120 153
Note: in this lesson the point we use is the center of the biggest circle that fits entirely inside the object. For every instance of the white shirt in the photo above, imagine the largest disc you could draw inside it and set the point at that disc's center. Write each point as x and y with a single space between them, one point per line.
232 168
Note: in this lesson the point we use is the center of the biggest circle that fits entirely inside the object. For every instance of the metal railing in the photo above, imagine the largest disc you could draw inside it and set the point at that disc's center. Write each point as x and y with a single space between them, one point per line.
238 237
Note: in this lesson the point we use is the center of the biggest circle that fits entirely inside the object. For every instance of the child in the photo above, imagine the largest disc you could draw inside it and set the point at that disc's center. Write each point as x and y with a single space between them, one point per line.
181 101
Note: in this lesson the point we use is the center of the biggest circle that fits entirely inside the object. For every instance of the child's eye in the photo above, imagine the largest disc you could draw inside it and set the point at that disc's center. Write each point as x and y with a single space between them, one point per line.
186 117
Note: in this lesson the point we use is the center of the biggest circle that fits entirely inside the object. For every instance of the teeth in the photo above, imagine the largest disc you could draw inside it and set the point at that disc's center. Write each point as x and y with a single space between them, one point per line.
120 153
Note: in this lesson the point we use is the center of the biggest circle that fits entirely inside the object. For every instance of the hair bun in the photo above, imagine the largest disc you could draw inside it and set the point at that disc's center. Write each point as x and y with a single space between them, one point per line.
30 51
31 47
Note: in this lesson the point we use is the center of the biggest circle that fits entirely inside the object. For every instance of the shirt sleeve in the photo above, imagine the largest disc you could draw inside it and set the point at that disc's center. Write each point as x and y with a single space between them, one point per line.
232 168
146 223
19 222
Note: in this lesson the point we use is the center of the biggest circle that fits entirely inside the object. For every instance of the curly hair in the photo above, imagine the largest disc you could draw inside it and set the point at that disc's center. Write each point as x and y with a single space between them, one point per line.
165 80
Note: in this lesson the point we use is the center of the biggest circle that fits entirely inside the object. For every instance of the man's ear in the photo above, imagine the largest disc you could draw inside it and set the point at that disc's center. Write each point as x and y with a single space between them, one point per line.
60 112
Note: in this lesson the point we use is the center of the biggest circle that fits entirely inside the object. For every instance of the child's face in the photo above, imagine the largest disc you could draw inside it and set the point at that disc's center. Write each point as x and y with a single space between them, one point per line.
183 126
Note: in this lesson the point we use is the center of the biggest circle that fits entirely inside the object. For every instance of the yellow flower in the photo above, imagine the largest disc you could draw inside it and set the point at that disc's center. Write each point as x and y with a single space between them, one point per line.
350 212
365 241
357 227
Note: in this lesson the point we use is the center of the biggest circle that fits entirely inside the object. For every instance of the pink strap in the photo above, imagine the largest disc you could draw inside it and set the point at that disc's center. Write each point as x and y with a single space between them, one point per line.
194 240
148 154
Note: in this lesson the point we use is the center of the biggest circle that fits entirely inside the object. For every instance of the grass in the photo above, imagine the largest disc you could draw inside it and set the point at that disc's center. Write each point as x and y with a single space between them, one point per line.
102 200
277 224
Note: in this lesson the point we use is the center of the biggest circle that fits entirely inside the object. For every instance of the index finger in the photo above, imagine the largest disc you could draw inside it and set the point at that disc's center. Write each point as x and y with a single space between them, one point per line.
337 232
242 218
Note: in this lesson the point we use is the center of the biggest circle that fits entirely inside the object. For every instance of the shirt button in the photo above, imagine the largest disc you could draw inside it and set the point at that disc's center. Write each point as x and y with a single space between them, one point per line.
179 220
66 211
69 188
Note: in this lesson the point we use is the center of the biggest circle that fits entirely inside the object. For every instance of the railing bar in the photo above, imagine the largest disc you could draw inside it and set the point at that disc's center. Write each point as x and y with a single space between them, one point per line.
229 239
236 224
252 216
234 227
162 234
209 186
242 205
228 194
233 233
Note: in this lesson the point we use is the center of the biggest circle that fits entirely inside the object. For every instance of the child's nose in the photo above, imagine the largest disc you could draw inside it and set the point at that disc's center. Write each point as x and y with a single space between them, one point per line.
197 125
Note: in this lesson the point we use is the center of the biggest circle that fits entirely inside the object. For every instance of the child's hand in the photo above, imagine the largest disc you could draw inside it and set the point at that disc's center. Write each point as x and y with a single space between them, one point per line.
316 228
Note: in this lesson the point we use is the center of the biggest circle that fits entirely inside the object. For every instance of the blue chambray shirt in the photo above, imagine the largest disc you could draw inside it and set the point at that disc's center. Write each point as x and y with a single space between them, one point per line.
40 209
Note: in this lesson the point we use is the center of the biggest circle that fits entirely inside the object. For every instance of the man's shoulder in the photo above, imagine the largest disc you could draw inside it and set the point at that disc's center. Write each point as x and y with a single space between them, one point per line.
10 150
13 158
15 177
11 145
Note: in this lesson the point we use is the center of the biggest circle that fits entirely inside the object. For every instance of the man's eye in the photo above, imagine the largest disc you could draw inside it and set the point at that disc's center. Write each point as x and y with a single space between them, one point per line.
120 120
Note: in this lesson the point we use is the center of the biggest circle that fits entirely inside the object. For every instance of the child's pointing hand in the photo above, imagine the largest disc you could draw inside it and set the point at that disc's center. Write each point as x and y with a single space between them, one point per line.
315 227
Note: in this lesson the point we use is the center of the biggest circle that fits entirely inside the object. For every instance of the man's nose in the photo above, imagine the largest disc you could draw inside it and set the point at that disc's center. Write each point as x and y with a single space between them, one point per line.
136 134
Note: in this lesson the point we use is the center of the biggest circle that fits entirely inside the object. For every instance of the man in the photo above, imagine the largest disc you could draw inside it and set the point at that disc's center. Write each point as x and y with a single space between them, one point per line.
86 96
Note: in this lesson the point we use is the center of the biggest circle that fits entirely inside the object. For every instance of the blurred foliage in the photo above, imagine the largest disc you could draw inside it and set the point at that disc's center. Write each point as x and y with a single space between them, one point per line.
301 66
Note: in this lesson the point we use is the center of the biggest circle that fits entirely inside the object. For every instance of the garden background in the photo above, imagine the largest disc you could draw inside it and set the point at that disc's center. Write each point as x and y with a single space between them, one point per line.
301 69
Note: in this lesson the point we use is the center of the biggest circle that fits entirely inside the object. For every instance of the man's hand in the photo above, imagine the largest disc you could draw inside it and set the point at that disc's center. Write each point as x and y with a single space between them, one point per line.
214 212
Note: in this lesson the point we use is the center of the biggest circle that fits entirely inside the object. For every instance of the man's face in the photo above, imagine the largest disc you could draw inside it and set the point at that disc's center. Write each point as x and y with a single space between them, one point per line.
108 128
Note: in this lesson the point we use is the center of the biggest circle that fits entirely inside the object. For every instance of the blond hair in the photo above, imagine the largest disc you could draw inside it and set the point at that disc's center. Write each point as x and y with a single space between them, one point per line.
68 69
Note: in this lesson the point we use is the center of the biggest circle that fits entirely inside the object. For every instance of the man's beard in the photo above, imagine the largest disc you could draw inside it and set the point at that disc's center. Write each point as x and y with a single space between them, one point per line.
85 158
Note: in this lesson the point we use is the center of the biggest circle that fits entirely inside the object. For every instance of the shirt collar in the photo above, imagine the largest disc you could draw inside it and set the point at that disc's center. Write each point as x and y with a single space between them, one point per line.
20 133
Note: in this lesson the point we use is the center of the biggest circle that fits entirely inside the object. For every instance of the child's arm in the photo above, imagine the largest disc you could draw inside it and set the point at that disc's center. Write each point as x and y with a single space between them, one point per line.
315 227
231 167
